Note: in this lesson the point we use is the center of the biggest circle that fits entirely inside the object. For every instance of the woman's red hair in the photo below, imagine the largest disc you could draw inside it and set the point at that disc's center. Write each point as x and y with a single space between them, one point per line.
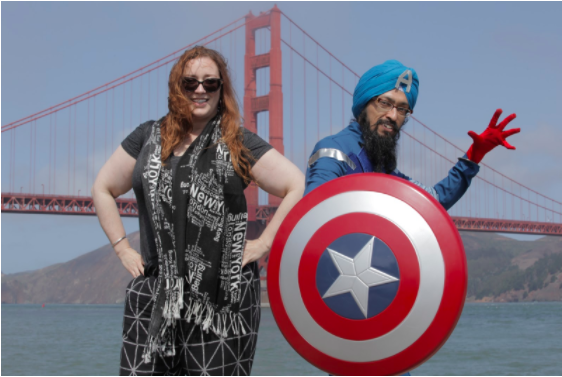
178 122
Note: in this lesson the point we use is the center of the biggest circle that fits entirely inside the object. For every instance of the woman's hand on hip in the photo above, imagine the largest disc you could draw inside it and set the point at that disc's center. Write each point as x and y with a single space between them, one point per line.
254 250
132 261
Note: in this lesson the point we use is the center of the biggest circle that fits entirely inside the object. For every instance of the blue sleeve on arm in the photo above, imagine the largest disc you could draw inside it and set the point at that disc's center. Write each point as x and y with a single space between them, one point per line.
429 189
449 190
322 171
455 184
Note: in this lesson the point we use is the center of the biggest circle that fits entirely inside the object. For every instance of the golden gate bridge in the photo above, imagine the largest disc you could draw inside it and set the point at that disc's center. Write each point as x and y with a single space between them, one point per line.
295 92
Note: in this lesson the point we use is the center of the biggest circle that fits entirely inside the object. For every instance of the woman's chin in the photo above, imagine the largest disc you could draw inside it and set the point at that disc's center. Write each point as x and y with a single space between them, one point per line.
202 114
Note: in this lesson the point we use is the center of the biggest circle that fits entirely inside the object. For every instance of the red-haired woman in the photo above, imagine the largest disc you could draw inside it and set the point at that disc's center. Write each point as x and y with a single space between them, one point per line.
193 305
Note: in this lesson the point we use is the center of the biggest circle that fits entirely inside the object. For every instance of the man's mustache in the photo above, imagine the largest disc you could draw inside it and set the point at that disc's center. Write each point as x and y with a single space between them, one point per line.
386 122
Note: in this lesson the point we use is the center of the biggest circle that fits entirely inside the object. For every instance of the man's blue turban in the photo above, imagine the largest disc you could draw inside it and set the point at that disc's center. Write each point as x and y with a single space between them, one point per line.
383 78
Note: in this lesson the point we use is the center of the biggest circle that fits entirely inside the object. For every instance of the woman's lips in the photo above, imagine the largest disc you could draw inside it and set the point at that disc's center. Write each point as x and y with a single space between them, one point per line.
200 102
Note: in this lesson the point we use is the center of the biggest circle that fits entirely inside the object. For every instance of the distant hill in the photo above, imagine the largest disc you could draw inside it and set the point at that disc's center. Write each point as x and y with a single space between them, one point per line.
500 269
505 270
97 277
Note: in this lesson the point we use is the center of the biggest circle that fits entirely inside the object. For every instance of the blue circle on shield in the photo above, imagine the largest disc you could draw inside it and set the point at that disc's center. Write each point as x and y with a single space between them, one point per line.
357 276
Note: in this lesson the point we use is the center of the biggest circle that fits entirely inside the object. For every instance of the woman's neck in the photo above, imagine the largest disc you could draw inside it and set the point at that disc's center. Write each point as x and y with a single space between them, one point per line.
198 125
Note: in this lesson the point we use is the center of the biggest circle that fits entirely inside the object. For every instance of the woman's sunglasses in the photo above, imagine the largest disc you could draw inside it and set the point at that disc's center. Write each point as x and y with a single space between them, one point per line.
191 84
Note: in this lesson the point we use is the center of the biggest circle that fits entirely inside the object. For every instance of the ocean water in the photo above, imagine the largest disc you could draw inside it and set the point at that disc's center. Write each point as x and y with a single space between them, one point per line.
490 339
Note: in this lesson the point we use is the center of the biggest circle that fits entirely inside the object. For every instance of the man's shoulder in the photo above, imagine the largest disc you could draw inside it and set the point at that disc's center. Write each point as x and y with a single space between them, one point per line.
347 141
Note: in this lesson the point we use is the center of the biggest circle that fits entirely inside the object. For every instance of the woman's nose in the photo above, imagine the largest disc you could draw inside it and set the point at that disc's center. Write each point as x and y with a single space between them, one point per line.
200 89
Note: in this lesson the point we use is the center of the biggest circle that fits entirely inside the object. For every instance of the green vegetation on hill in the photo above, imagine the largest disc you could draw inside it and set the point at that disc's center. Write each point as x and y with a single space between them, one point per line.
499 269
479 240
490 273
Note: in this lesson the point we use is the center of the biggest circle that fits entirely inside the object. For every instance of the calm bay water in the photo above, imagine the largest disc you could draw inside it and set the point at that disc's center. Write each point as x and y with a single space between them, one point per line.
490 339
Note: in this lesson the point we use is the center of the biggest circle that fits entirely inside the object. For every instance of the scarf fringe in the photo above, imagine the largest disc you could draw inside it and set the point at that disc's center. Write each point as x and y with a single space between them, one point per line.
164 342
202 314
174 299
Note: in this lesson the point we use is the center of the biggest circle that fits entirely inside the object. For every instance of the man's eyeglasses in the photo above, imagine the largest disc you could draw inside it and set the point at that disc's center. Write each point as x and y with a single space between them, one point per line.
210 85
383 105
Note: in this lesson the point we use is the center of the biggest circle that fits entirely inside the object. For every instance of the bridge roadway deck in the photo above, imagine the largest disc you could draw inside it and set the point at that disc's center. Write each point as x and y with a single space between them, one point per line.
83 205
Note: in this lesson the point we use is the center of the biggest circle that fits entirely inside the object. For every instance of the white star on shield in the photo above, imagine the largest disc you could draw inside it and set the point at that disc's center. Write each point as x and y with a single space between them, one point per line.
357 276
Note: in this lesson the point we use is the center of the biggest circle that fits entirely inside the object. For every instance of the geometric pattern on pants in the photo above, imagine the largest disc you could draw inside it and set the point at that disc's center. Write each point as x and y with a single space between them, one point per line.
198 353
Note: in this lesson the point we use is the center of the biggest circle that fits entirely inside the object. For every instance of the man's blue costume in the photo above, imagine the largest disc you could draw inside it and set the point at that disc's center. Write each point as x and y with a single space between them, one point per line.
353 159
343 153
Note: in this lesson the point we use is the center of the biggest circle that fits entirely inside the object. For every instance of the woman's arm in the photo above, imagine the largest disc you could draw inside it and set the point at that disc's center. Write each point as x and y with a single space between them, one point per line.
116 178
278 176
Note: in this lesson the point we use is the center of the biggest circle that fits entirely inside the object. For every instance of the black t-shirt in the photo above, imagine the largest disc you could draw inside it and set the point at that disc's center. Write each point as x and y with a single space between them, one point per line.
133 145
134 142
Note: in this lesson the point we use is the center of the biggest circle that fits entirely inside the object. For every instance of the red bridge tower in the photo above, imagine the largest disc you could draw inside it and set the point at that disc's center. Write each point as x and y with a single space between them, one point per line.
272 102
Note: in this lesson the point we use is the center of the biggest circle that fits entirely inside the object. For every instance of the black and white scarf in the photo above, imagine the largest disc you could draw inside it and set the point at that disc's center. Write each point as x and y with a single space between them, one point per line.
199 219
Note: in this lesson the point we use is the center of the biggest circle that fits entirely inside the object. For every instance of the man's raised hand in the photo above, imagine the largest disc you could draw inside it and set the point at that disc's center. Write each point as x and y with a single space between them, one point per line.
493 136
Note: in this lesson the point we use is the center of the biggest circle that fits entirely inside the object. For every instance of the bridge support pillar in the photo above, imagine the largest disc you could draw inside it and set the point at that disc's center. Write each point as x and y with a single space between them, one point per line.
250 117
275 90
273 101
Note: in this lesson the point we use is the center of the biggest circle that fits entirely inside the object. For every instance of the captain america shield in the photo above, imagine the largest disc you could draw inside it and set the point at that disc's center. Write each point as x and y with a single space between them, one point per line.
367 276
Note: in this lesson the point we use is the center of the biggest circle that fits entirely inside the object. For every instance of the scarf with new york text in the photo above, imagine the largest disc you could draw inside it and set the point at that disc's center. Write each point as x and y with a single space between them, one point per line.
199 219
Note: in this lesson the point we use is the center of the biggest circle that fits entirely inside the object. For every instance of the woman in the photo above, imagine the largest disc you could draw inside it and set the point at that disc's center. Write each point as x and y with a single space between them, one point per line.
193 305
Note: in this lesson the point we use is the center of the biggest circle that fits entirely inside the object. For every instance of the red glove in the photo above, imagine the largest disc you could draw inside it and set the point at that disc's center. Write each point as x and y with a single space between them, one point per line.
491 137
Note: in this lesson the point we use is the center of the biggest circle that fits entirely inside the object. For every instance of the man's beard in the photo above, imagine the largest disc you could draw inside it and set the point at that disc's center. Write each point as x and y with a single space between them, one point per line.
381 150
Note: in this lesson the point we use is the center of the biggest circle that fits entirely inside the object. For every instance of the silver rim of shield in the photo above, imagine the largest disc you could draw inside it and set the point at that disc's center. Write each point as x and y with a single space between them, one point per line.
432 276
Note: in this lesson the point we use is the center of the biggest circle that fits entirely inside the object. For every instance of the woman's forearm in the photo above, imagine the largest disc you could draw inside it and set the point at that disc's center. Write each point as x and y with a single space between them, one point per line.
109 218
288 202
114 179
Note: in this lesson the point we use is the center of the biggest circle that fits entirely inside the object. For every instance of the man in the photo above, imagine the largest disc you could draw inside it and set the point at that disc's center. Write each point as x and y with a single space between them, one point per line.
383 100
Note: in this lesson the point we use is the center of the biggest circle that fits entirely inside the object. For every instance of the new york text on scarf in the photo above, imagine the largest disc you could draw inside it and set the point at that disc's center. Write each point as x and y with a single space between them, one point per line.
199 220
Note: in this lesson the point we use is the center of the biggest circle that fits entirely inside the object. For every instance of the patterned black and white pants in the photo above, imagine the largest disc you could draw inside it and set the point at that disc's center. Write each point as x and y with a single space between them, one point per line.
197 352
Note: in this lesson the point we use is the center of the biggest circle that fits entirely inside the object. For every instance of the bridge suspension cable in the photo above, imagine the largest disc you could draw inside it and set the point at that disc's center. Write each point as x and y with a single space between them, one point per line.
295 93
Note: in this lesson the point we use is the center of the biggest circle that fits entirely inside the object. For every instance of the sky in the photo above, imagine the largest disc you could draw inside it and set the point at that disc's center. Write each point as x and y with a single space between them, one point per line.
471 58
